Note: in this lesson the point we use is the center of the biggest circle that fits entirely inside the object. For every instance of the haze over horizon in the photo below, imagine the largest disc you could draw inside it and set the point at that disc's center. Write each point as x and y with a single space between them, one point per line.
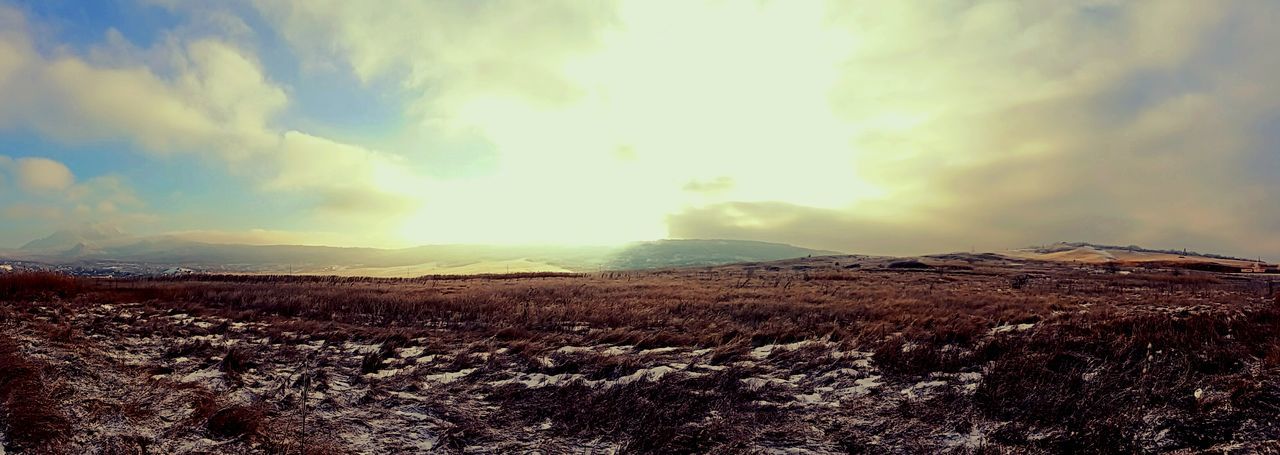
864 127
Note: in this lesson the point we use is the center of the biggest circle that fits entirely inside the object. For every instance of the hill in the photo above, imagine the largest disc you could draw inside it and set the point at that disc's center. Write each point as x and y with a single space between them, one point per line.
93 248
85 235
1098 254
690 253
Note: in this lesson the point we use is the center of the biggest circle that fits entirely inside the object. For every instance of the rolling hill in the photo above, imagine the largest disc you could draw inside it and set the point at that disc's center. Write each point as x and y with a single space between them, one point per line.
91 245
1100 254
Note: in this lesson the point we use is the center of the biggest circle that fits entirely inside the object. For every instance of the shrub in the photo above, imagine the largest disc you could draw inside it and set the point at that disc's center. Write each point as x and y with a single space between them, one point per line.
673 415
37 286
236 361
188 348
909 264
372 362
236 421
29 417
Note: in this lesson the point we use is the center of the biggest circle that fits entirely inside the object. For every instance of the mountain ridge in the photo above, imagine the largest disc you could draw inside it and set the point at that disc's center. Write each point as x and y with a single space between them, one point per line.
1086 252
86 235
94 245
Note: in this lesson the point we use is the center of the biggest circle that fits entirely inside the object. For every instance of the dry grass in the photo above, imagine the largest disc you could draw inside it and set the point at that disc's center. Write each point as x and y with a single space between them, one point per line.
40 286
29 418
1102 362
666 417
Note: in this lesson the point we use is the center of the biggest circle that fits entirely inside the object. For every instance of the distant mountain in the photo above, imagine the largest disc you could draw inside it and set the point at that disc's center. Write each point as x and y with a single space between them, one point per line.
83 236
79 250
90 245
1095 253
1063 246
688 253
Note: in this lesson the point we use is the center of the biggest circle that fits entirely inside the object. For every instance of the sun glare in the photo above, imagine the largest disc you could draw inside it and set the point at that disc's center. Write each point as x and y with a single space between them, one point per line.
737 105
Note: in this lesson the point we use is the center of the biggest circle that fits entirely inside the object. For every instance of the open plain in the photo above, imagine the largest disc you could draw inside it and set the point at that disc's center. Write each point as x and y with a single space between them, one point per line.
846 354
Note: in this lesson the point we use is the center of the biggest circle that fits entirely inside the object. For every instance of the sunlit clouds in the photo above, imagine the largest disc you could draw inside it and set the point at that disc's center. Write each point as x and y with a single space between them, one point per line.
876 127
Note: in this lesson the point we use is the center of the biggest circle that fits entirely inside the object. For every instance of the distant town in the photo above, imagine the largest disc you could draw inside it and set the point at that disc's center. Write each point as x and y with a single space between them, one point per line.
100 269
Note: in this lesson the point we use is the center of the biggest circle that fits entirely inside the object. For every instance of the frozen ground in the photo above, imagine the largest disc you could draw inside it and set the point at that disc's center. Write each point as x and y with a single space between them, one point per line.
146 375
861 359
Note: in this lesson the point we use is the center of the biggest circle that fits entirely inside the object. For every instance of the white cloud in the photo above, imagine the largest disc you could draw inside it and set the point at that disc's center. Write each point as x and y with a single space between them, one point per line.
452 49
189 94
267 237
1009 123
559 90
346 178
218 102
39 175
51 193
5 164
105 191
1005 122
26 211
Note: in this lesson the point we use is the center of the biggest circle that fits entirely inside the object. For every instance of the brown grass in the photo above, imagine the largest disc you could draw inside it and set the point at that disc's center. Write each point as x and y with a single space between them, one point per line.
40 286
29 417
236 421
688 415
1104 351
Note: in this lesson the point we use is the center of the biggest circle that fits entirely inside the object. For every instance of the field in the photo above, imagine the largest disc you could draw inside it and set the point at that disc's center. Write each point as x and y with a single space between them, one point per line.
957 353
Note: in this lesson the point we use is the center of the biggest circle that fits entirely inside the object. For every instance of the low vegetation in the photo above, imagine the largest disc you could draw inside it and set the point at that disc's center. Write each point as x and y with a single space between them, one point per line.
964 354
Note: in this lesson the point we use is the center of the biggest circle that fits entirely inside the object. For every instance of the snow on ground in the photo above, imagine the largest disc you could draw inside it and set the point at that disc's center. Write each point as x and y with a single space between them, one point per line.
400 406
765 351
448 377
1011 328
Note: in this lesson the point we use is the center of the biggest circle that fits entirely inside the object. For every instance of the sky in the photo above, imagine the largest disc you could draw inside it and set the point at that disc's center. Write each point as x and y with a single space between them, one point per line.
860 126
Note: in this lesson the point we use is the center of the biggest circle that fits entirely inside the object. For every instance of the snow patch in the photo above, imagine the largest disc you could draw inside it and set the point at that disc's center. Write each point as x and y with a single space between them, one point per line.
539 380
574 349
655 351
380 374
411 352
758 383
618 350
865 385
202 376
425 359
974 439
647 374
1012 328
445 378
765 351
921 389
811 398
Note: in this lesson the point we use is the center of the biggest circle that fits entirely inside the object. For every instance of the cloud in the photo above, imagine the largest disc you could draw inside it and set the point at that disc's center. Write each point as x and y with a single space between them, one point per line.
210 97
620 105
24 211
346 178
1007 124
446 51
194 92
834 229
109 192
42 175
52 195
264 237
890 127
715 185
